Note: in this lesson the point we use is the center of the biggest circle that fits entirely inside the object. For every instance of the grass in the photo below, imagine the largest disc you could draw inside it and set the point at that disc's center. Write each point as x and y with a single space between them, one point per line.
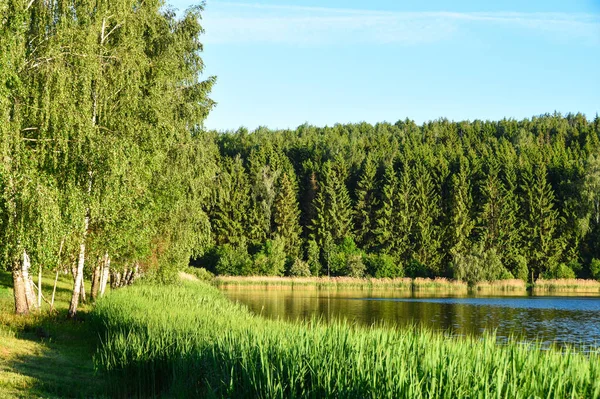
207 346
46 355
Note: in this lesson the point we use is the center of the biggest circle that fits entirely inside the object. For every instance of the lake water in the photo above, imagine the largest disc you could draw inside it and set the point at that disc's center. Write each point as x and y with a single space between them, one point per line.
562 320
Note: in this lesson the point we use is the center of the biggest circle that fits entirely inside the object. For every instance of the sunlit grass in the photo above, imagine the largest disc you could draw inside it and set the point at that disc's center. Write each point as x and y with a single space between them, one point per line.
191 341
44 355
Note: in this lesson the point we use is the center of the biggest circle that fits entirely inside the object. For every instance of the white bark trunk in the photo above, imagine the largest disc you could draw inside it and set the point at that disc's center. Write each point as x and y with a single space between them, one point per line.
79 271
104 275
54 291
40 287
29 292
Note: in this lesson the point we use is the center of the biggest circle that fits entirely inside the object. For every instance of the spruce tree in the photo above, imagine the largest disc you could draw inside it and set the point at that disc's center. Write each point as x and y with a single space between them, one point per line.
366 204
287 216
544 248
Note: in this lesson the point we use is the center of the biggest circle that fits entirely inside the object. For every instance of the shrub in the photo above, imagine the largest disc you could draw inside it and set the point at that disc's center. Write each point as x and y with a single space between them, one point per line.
299 268
233 261
355 266
595 268
270 261
479 265
562 271
383 266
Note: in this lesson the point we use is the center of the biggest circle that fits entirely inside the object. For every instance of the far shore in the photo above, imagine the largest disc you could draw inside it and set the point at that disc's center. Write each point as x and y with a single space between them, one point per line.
513 287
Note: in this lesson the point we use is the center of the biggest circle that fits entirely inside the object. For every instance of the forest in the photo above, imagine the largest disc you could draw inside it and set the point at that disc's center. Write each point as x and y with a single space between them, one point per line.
108 173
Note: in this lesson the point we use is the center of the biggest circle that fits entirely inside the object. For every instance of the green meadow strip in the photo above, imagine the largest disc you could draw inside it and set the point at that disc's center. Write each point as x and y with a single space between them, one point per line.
190 340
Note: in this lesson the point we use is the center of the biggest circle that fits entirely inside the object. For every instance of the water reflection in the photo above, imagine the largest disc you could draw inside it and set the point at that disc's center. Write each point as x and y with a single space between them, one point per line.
574 320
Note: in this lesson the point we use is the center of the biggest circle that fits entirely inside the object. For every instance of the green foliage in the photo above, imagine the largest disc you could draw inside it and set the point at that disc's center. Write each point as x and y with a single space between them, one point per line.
233 261
270 261
479 265
383 266
595 268
313 255
299 268
560 271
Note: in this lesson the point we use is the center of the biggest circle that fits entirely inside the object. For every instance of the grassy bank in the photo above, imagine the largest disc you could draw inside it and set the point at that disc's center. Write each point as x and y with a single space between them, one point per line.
44 355
207 346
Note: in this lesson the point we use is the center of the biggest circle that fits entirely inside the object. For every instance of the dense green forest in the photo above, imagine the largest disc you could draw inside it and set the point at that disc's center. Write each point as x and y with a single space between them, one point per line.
480 200
108 172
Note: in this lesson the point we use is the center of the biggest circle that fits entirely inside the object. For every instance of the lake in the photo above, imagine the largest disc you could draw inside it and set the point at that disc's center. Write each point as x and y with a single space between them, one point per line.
550 319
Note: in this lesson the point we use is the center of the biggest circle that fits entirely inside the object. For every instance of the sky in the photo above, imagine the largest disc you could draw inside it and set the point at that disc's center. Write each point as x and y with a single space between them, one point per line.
283 63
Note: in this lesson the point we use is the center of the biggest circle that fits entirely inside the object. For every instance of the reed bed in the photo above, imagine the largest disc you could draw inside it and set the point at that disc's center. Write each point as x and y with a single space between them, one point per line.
440 283
190 341
567 285
504 287
329 282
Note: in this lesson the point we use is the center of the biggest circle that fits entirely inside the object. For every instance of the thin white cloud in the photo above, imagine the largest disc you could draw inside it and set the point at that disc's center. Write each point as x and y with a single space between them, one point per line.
227 22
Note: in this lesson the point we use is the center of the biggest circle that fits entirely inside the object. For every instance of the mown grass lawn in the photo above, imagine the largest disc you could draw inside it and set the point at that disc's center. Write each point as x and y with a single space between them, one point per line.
46 355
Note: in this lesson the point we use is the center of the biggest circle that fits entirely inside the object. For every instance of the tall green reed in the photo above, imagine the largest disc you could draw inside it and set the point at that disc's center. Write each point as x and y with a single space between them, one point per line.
191 341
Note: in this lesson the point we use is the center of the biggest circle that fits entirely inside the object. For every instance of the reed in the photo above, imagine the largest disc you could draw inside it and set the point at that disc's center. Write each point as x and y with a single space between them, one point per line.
190 341
576 286
504 287
329 282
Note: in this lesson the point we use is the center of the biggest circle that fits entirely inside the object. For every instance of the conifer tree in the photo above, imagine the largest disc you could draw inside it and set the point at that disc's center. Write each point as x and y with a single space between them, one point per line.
426 232
287 216
544 248
366 204
333 206
461 222
230 203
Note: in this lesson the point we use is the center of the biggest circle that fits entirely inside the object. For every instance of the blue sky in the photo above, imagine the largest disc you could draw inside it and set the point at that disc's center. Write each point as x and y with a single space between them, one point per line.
283 63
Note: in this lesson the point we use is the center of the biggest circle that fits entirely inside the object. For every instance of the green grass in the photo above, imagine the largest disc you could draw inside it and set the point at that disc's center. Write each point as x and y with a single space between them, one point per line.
43 354
190 341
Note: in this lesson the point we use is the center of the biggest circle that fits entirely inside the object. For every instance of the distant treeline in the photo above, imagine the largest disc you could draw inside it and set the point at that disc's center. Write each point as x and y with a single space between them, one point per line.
479 200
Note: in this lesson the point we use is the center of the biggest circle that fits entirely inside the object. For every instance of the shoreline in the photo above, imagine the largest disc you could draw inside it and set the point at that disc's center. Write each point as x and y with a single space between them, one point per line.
513 287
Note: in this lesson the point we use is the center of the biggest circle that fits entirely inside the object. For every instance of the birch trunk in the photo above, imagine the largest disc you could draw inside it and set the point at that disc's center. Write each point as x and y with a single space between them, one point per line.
19 291
96 280
28 281
79 271
54 290
105 272
39 303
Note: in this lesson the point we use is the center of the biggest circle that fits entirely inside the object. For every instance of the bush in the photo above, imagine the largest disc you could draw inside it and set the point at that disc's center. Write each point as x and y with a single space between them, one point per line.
355 266
562 271
345 259
299 269
595 268
383 266
479 265
233 261
416 269
520 269
270 261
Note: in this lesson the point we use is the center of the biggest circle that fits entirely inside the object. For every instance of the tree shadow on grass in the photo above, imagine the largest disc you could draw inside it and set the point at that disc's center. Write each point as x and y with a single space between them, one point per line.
61 362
